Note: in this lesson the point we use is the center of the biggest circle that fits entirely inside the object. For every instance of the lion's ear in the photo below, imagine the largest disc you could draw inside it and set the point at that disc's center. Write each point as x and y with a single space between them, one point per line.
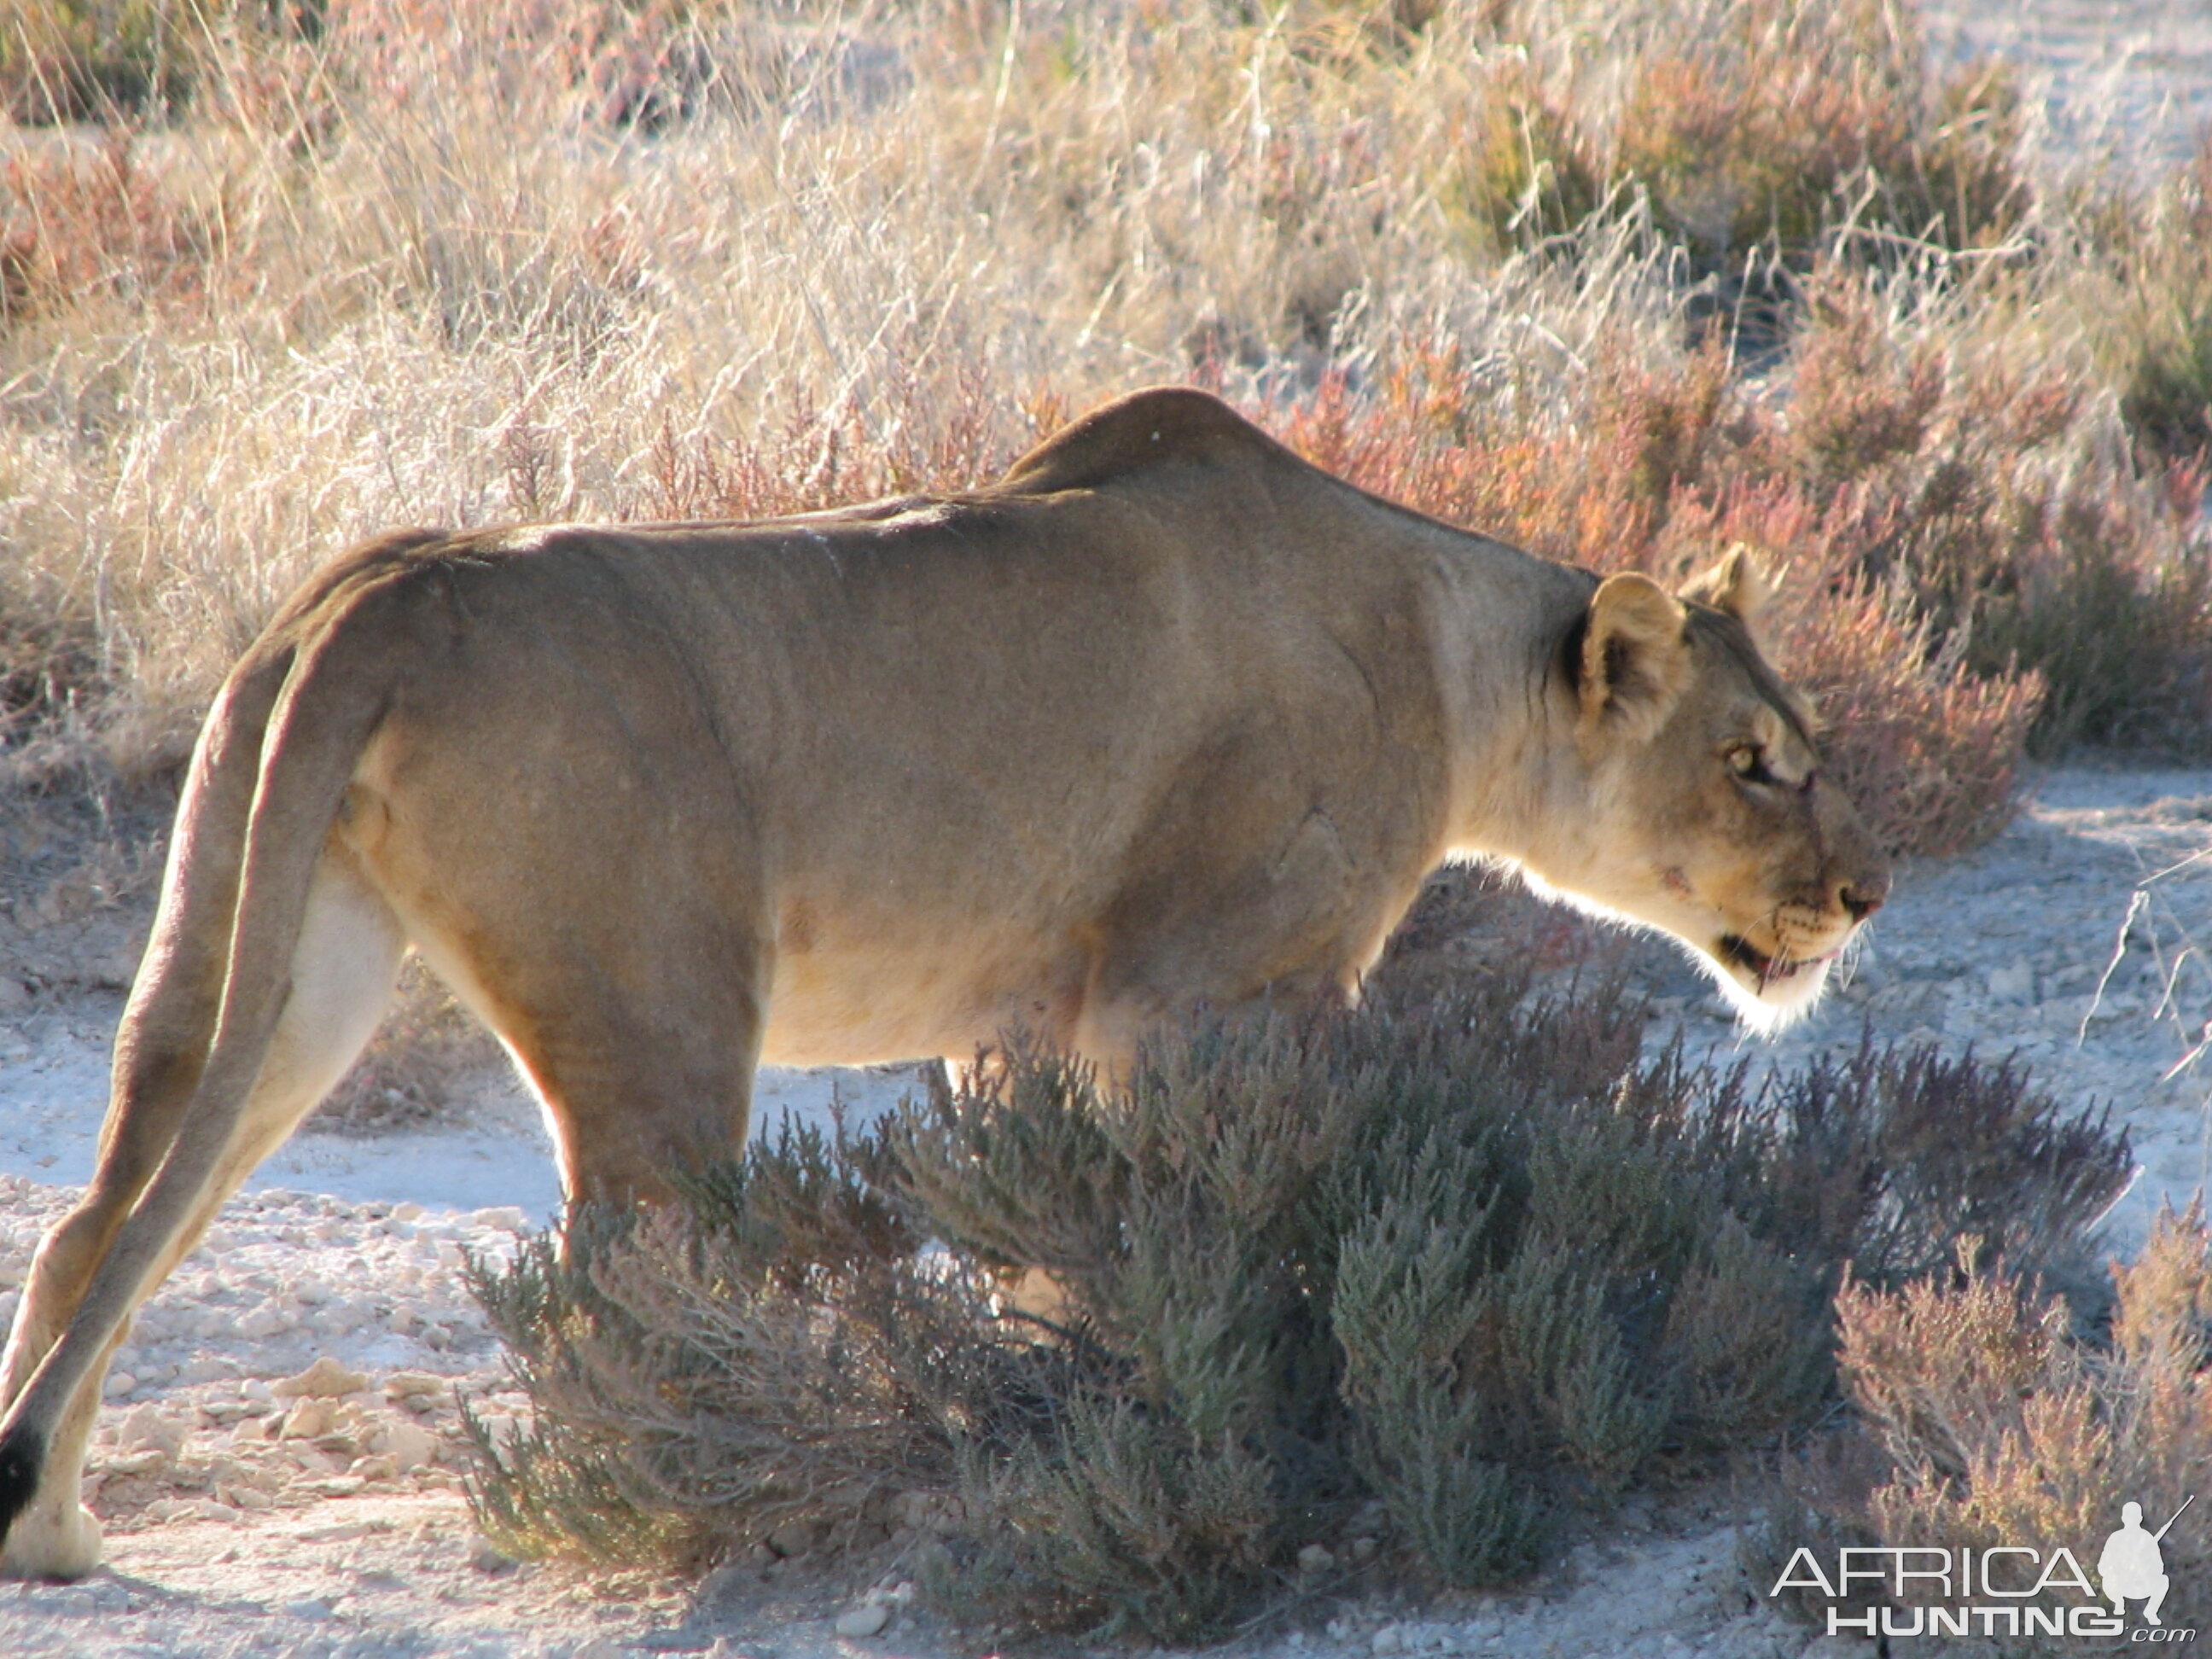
1737 584
1635 661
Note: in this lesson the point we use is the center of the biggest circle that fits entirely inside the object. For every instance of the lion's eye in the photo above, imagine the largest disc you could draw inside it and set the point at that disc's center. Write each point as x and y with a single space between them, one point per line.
1745 761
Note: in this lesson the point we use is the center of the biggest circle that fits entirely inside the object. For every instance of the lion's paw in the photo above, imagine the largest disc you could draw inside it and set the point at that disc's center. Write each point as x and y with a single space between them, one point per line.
47 1544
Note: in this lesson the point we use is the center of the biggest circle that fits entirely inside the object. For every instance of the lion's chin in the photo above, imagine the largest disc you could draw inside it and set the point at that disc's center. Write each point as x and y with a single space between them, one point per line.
1769 994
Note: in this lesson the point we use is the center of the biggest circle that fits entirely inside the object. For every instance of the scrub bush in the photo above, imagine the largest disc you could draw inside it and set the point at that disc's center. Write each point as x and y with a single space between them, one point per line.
1466 1261
1986 1414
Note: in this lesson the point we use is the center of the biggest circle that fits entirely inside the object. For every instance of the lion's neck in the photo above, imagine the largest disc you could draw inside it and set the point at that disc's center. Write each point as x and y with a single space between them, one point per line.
1518 774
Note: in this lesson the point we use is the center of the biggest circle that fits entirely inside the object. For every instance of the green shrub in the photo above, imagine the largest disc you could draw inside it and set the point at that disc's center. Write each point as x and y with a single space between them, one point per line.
1783 130
1469 1260
1525 168
2161 327
76 60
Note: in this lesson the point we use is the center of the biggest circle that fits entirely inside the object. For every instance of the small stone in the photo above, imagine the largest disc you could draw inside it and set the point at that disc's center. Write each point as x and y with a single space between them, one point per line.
1390 1638
1362 1549
409 1446
412 1387
311 1419
599 1647
315 1610
324 1380
264 1321
146 1426
793 1538
486 1557
867 1620
1314 1559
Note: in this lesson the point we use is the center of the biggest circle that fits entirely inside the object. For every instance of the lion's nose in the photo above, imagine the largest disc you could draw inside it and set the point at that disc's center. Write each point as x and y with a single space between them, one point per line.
1864 897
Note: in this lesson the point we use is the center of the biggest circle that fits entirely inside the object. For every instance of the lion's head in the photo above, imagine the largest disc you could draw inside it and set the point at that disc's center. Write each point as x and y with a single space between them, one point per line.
1709 815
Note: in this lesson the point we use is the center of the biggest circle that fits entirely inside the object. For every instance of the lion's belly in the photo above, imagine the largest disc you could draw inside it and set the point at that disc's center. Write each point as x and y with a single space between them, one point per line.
858 1003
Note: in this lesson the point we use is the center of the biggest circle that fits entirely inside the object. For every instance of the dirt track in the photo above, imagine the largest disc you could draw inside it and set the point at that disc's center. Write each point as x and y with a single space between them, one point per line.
2106 72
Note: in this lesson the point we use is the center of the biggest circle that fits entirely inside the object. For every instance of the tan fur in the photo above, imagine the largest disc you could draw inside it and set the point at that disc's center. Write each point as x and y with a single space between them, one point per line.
1165 715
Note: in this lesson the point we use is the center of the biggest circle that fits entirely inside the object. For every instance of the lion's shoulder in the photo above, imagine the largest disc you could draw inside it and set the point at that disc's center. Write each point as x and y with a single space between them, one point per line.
1132 435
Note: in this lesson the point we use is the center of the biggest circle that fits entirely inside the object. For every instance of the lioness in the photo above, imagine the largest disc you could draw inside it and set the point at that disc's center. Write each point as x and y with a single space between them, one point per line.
1164 715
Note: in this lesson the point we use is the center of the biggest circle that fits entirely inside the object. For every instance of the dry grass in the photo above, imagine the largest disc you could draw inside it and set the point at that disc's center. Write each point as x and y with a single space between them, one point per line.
789 257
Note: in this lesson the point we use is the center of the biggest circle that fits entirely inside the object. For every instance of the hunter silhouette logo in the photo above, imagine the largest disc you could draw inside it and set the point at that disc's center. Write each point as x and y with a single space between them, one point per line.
2131 1568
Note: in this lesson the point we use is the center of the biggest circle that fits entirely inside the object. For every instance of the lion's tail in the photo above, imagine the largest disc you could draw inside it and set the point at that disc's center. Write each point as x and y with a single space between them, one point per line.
277 756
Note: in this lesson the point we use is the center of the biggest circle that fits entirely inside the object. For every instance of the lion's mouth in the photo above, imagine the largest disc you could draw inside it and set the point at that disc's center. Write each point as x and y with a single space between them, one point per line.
1740 952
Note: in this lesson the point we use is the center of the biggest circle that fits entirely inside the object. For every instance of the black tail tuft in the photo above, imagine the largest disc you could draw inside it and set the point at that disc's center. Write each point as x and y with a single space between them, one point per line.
23 1453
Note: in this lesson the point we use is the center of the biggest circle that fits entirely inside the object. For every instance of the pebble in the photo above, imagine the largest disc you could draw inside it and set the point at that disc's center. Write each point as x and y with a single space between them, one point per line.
324 1380
867 1620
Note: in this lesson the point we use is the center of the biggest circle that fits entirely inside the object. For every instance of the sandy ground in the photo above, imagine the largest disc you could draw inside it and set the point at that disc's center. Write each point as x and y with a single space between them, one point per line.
280 1465
2135 75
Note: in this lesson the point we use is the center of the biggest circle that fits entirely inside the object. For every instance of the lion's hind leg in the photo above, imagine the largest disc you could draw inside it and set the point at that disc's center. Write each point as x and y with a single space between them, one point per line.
342 971
640 1045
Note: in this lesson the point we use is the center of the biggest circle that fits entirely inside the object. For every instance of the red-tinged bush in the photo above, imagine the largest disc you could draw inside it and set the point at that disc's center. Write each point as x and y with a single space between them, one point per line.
1664 476
1989 503
942 435
74 225
1983 1417
1860 397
